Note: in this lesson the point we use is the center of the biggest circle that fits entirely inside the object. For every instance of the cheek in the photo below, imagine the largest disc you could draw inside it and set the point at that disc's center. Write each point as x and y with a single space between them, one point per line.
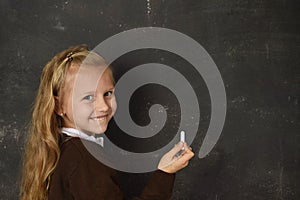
113 106
81 110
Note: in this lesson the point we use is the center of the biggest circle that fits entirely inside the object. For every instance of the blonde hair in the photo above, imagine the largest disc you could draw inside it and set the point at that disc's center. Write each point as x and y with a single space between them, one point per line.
42 146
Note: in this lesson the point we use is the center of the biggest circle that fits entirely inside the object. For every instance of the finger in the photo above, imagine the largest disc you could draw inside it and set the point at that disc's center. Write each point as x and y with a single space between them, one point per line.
186 146
183 160
187 155
176 148
186 164
189 149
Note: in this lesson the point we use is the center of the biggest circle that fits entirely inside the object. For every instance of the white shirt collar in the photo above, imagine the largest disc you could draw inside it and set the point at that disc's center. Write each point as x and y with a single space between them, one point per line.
76 133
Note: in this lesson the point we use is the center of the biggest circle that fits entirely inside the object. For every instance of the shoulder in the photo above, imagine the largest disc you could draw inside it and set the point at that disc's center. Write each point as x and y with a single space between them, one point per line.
71 155
70 159
76 158
72 146
77 170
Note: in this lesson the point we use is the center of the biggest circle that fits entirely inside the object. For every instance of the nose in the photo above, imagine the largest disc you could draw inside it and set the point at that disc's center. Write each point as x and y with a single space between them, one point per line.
102 105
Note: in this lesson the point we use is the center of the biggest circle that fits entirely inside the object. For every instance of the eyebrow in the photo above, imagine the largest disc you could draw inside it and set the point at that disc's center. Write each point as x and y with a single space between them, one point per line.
93 92
90 92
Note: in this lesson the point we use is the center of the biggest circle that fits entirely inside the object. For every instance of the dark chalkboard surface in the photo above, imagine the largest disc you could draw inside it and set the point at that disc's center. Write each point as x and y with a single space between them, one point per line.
255 45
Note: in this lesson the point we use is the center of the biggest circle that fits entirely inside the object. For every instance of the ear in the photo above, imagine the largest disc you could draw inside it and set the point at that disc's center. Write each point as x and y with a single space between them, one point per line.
58 109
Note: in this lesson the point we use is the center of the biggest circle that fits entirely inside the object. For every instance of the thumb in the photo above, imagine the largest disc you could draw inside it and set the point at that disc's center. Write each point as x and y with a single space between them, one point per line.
176 148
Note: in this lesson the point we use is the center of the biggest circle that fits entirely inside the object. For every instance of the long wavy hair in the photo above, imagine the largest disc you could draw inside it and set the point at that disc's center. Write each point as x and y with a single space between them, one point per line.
42 146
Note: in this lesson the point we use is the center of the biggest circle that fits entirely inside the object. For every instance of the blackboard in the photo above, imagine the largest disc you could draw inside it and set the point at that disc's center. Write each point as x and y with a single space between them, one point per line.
255 45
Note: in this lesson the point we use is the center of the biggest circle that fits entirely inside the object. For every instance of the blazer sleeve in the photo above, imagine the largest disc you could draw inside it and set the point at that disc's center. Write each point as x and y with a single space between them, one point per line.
79 176
94 183
87 184
159 187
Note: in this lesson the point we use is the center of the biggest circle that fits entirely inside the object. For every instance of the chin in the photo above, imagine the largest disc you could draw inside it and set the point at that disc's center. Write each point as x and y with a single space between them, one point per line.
100 130
94 130
97 128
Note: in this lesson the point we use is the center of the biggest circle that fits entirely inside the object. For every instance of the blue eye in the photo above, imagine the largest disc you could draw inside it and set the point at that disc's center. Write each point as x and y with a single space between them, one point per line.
107 94
88 97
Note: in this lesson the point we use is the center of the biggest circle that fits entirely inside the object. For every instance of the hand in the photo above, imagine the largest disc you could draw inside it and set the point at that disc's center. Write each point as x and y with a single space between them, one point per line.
171 163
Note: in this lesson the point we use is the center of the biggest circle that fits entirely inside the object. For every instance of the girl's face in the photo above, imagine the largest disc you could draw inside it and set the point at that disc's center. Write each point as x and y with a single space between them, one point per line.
88 99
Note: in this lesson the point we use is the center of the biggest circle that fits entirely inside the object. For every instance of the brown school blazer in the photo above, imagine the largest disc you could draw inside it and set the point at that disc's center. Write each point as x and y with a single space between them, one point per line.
80 176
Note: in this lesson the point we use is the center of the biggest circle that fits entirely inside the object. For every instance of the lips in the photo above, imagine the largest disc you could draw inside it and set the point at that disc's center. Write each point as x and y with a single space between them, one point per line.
100 118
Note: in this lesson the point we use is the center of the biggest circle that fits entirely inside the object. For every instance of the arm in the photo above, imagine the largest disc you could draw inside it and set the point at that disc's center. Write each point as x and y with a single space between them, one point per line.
94 181
90 179
161 183
79 176
159 187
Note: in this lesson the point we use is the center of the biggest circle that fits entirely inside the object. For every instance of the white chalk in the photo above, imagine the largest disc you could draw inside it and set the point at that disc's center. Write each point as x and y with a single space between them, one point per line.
182 139
182 136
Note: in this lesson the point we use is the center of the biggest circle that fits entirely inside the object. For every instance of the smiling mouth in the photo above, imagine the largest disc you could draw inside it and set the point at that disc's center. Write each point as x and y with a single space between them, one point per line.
100 118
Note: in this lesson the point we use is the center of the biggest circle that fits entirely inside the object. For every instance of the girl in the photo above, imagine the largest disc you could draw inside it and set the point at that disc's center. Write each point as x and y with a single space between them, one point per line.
56 164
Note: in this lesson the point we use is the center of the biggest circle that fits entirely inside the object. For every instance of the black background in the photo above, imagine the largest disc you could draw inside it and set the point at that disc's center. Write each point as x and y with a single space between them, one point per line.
255 45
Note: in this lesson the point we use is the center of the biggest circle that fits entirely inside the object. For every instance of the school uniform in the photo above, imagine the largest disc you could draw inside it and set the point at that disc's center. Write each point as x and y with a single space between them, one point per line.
80 176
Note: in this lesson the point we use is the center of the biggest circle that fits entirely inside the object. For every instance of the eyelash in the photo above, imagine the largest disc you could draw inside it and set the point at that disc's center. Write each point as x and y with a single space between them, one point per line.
88 97
92 97
109 93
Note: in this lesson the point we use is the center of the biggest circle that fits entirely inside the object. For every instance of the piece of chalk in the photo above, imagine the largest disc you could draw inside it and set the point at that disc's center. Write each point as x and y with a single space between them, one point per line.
182 139
182 136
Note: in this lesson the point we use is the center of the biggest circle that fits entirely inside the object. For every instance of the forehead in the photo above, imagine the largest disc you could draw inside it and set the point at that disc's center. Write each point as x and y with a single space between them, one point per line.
89 78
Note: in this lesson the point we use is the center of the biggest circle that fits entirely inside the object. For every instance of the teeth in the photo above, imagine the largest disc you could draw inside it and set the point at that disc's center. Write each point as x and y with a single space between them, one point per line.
100 118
